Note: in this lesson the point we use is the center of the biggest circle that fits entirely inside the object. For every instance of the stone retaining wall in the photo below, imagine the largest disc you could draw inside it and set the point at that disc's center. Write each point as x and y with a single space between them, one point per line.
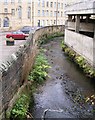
15 71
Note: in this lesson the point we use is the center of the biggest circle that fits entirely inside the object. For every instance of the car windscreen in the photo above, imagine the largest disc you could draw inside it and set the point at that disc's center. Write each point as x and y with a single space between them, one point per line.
17 32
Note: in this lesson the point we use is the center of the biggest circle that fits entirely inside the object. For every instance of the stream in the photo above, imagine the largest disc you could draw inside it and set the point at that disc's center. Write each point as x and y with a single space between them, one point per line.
63 93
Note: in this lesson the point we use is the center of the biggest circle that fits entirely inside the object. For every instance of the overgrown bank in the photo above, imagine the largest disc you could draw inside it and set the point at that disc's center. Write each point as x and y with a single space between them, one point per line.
79 60
47 38
37 76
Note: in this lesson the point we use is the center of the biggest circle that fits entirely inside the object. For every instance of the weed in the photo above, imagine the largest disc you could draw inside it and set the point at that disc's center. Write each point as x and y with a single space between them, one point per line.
39 71
79 60
48 37
19 111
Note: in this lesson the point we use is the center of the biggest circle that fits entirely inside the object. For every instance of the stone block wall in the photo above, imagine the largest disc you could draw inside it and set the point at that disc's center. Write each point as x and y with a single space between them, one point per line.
15 71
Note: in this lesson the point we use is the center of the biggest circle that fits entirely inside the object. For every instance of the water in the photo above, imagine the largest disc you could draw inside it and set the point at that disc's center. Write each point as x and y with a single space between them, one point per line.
54 98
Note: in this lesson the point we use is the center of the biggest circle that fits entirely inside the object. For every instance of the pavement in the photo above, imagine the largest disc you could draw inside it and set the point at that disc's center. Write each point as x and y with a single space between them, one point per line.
7 51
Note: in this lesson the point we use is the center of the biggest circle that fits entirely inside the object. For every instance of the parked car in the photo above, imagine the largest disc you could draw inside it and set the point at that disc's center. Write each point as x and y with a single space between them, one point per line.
17 35
26 29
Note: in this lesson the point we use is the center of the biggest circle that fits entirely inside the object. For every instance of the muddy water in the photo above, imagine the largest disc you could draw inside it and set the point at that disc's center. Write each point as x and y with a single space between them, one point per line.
55 98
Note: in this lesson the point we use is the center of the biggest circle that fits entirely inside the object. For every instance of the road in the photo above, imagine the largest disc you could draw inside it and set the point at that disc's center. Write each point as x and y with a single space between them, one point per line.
7 51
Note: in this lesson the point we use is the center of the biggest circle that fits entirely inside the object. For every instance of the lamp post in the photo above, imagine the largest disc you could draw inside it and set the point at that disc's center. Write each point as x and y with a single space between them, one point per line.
56 11
32 13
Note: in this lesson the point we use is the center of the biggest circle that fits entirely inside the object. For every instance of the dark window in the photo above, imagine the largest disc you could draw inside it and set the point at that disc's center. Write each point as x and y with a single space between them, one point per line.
47 4
13 11
51 4
19 12
6 22
5 10
38 23
29 12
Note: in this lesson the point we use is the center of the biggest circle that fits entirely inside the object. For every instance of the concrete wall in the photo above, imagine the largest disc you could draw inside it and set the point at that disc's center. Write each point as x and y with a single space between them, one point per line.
81 7
15 71
82 44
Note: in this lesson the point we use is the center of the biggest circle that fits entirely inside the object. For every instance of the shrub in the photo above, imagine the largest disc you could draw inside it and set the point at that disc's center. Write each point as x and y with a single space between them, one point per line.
39 72
19 110
47 37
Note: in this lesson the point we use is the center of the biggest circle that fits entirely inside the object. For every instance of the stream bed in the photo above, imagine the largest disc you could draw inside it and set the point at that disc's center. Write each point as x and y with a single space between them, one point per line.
63 93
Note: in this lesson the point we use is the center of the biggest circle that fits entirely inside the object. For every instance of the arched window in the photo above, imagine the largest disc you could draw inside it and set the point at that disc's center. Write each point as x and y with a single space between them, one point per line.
29 13
6 22
19 12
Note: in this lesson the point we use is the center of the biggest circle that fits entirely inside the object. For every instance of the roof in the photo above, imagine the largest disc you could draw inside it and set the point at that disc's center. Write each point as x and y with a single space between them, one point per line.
81 7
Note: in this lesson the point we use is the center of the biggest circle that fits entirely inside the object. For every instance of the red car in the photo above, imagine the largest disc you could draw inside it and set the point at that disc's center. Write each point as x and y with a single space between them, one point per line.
17 35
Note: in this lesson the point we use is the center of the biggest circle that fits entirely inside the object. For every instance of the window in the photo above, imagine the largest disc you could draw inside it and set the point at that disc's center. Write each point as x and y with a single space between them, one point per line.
58 5
58 13
12 1
43 13
47 22
29 13
54 21
51 22
5 1
47 4
19 12
61 14
38 12
54 13
38 23
51 13
13 11
43 22
5 10
47 13
43 3
61 5
6 22
51 4
58 22
55 4
38 2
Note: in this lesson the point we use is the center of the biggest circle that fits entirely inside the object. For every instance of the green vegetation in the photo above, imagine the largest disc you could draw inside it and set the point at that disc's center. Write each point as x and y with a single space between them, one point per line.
48 37
79 60
20 109
39 71
37 76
